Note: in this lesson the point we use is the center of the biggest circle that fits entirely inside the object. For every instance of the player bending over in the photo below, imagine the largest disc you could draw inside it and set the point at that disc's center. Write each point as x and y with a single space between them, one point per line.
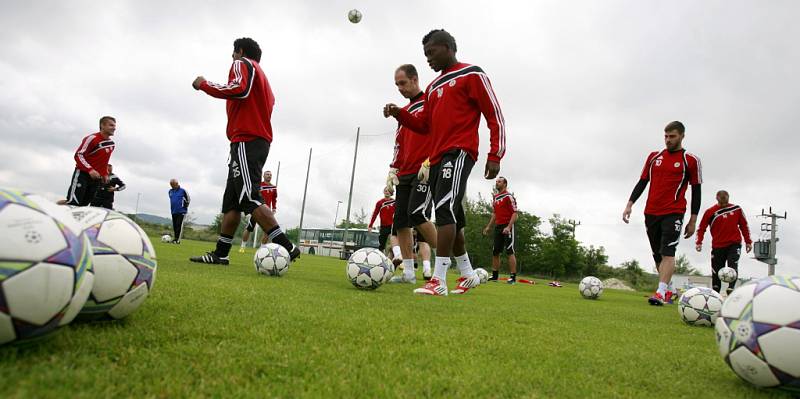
728 226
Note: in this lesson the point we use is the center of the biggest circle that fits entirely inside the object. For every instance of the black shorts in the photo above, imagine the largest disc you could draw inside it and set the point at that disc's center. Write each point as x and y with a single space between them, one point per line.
664 233
728 255
107 203
448 181
503 242
244 176
82 188
412 202
383 235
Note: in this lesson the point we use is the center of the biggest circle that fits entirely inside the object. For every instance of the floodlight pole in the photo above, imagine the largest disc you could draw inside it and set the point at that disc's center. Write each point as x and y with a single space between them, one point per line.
305 190
278 173
136 213
574 225
350 195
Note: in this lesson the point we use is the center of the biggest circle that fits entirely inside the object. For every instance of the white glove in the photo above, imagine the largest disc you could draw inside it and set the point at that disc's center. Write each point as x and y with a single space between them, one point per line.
424 172
392 180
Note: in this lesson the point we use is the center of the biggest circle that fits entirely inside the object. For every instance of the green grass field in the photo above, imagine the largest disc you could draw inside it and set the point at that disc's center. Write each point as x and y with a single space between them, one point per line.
214 331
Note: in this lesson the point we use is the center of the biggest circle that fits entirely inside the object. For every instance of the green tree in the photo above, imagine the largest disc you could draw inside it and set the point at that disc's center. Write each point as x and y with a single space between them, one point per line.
359 220
683 266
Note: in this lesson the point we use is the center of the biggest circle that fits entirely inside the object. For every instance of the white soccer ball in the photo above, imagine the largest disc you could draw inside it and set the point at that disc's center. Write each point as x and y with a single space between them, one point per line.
272 260
483 274
727 274
166 238
367 268
45 267
591 287
124 263
758 332
354 16
390 272
700 306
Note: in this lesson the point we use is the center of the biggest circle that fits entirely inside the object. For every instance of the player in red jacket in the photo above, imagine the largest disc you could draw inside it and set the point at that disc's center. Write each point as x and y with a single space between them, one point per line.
91 163
454 102
249 102
384 209
503 218
269 193
413 197
669 172
728 226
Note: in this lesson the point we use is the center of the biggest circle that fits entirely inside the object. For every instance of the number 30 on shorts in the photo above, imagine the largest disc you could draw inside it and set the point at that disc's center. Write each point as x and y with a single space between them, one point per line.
421 188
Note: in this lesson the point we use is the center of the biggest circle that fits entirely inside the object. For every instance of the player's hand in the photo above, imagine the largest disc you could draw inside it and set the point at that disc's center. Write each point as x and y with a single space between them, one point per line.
486 231
197 82
492 169
507 230
689 230
626 214
699 247
424 172
369 229
95 175
748 247
390 110
391 179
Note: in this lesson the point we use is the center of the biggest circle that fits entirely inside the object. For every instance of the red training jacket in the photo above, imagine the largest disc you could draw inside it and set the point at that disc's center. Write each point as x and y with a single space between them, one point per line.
505 205
454 102
670 173
94 153
385 208
269 193
410 148
728 226
249 101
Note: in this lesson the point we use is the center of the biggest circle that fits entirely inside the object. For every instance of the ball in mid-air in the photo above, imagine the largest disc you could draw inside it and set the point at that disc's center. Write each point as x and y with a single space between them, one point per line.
124 263
166 238
700 306
45 267
272 260
758 332
590 287
727 274
354 16
367 268
482 274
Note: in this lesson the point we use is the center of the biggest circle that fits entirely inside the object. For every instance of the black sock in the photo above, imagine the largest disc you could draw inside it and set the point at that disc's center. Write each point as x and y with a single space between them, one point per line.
513 276
495 274
224 243
276 235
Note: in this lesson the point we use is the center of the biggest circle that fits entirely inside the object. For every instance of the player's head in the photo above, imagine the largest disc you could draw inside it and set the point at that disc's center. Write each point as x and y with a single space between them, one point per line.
174 183
500 183
268 176
722 198
440 49
407 80
108 125
110 168
387 193
673 135
246 47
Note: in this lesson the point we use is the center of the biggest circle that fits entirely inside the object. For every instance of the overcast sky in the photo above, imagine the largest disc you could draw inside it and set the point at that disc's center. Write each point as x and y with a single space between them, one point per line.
585 86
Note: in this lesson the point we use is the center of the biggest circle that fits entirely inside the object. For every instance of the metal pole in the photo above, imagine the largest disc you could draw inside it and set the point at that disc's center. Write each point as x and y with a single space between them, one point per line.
350 195
336 218
772 245
305 190
136 212
278 173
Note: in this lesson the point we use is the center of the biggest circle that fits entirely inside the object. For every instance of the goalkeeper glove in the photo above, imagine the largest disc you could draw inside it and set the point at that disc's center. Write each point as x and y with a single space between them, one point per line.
424 172
392 180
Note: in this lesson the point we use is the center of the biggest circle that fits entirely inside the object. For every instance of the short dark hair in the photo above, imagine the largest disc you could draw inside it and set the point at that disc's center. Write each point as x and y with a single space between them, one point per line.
409 70
504 179
440 36
106 118
249 47
675 125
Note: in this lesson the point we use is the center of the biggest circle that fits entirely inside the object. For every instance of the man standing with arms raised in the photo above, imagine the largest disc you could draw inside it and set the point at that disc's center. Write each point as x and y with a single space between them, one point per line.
728 226
454 102
669 172
91 163
249 102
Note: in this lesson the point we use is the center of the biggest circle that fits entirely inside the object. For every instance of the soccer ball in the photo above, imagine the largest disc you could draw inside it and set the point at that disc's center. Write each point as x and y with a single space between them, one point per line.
591 287
272 260
354 16
727 274
390 272
758 332
367 268
46 269
482 274
166 238
700 306
124 263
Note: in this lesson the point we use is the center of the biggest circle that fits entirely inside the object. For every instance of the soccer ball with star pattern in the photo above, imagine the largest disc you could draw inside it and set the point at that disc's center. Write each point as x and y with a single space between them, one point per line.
700 306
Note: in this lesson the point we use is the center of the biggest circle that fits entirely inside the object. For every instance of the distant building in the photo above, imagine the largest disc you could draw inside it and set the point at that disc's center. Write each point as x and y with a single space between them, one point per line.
685 282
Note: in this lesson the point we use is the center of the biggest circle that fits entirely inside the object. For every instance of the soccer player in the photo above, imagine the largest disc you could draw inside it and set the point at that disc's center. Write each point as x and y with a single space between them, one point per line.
503 218
104 197
91 163
179 206
669 172
249 103
454 102
728 226
269 193
385 209
413 199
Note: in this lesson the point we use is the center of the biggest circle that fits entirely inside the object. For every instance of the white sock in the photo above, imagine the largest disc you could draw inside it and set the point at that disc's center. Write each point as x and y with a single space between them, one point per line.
396 251
464 266
408 268
662 288
243 243
440 268
426 266
670 287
